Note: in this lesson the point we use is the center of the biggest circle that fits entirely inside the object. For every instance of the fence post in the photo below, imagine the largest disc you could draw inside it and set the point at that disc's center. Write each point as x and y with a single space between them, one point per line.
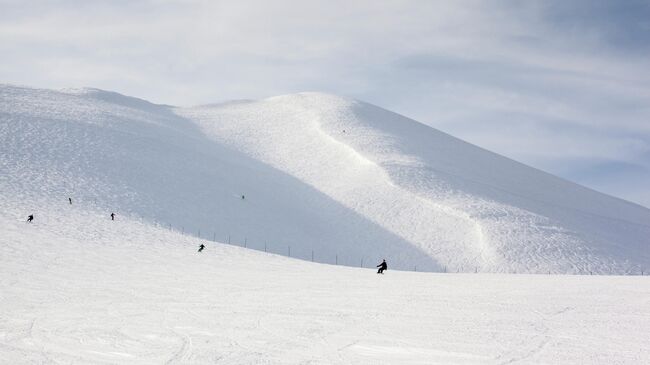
245 242
199 233
362 262
182 229
264 246
228 239
214 237
336 262
170 226
415 268
312 255
289 251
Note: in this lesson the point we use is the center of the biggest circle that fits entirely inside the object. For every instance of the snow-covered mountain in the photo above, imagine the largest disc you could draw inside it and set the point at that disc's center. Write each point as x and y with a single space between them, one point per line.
339 178
342 179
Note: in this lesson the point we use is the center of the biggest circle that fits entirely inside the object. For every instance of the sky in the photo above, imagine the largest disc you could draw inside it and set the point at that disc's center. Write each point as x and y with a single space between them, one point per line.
560 85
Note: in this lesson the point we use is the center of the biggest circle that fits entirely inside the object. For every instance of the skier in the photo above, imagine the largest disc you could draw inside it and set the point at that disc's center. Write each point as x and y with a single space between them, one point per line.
201 247
112 216
243 197
30 218
383 266
70 200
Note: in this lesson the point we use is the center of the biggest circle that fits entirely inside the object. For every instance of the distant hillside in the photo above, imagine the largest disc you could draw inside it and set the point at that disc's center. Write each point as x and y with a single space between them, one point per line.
339 178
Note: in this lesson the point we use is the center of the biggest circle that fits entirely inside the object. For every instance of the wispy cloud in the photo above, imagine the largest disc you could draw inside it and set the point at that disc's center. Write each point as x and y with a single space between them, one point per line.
560 85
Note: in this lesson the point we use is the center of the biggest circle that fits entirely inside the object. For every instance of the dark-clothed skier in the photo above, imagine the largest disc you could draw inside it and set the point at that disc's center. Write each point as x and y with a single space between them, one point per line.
383 266
70 200
112 216
201 247
30 218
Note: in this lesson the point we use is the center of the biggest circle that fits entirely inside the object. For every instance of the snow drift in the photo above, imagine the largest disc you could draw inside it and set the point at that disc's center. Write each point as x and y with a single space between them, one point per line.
337 178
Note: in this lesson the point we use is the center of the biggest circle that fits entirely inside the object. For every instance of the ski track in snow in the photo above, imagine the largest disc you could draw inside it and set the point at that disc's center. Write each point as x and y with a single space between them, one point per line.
349 178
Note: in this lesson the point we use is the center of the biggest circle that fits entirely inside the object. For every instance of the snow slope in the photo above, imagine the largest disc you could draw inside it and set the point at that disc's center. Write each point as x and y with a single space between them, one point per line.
339 178
77 288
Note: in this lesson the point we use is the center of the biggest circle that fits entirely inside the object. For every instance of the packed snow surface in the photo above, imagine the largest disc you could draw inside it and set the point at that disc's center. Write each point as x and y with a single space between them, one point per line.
315 174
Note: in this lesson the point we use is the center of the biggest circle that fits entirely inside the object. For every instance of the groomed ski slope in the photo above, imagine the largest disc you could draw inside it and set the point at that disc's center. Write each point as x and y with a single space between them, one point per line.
339 178
78 288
